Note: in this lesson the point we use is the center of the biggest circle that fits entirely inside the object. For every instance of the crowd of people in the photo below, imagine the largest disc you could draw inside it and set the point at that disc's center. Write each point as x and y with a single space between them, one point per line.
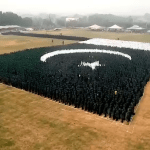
112 90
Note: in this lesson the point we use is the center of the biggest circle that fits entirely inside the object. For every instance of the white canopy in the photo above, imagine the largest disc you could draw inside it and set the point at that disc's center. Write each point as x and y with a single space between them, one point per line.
29 29
57 29
71 19
95 27
9 26
115 27
148 31
135 27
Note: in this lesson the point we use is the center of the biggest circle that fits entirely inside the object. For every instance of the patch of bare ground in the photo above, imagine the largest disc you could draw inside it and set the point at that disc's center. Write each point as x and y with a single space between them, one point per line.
29 121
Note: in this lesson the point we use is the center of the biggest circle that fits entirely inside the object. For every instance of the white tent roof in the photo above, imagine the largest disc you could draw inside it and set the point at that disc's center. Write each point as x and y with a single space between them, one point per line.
29 29
115 27
72 19
57 29
9 26
95 27
140 28
135 27
148 31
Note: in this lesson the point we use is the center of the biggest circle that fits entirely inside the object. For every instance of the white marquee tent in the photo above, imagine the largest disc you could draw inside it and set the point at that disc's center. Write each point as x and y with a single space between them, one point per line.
115 27
29 29
135 27
95 27
9 26
148 31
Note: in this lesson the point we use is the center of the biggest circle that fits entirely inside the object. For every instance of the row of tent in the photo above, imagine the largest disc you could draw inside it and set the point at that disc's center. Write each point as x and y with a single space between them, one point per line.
116 27
14 27
93 27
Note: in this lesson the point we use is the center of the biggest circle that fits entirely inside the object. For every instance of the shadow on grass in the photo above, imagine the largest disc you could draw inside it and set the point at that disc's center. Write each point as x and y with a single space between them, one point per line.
6 142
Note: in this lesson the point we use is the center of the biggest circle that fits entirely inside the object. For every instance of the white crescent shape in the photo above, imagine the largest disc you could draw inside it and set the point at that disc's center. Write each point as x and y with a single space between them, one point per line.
71 51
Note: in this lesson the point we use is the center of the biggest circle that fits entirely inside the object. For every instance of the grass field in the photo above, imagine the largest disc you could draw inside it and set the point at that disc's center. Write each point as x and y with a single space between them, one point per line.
98 34
32 122
29 121
14 43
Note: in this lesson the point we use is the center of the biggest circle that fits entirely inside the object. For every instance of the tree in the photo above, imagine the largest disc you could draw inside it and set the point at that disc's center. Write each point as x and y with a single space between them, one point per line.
26 22
60 22
10 18
47 23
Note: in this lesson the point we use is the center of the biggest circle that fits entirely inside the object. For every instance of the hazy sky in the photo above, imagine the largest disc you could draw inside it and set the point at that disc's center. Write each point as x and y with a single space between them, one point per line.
118 7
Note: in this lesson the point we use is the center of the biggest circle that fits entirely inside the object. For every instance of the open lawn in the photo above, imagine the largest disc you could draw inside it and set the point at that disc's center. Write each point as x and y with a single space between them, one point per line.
14 43
29 121
98 34
32 122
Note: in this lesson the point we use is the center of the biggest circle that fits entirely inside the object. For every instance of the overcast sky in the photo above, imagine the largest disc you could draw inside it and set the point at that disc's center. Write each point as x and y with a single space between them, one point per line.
117 7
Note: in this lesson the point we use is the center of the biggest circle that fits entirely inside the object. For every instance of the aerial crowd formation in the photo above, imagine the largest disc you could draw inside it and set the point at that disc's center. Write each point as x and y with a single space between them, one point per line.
113 89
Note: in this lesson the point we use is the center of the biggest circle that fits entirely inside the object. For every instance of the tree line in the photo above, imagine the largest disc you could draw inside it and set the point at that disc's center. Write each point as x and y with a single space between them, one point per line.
10 18
52 21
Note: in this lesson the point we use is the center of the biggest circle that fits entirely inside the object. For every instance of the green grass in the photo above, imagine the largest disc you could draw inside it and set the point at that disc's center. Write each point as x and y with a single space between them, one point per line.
140 147
6 142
